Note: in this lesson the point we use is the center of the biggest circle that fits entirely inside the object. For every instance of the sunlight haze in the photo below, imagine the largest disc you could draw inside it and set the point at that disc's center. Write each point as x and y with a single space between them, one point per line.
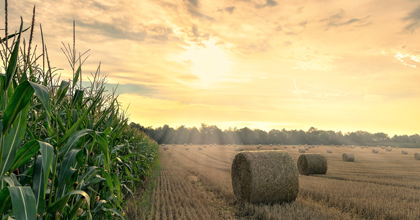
338 65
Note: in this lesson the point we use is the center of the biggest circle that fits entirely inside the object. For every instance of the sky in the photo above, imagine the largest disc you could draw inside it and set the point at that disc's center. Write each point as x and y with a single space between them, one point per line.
269 64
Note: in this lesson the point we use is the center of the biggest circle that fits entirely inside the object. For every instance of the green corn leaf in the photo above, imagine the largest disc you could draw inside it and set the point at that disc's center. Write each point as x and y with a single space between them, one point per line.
11 68
77 98
43 94
13 140
66 171
108 179
23 202
73 139
75 209
76 125
60 203
116 183
76 75
47 153
5 200
125 157
12 35
39 186
115 211
103 144
25 153
8 180
20 98
62 91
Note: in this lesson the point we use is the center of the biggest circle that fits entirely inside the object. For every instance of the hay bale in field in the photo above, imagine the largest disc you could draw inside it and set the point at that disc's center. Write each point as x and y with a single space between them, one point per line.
417 156
187 148
293 147
375 151
275 148
306 148
301 150
239 149
329 151
165 148
404 152
204 146
258 147
312 164
396 147
285 147
362 147
389 148
199 148
264 177
348 157
173 144
382 147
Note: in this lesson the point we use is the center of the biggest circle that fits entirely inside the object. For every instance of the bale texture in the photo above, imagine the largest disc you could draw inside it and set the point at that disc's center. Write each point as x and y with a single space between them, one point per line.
417 156
285 147
389 149
293 147
275 148
312 164
404 152
187 148
329 151
374 151
301 150
264 177
348 157
199 148
165 148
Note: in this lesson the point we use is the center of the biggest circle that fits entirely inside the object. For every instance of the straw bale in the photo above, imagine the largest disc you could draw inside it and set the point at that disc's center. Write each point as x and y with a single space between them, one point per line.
348 157
312 164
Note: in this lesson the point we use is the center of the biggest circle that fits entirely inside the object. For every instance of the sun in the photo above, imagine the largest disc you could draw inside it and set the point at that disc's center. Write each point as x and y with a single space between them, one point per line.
209 62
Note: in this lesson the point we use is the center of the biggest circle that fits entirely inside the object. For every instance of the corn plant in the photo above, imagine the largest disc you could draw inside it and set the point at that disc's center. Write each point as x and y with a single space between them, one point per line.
66 151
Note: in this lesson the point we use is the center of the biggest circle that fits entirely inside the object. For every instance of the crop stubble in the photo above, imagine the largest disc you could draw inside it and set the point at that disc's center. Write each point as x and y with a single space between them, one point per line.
197 185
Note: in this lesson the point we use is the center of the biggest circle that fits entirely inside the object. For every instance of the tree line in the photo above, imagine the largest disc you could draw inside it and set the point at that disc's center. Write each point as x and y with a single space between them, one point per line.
211 134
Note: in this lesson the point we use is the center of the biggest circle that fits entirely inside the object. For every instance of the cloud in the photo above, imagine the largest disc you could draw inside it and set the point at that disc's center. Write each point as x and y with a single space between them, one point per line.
268 3
193 9
230 9
287 43
414 18
338 20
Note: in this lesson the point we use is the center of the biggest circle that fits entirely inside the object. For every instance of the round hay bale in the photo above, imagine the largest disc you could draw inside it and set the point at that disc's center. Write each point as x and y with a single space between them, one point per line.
404 152
187 148
301 150
312 164
329 151
241 149
275 148
396 147
382 147
204 146
199 148
285 147
264 177
348 157
417 156
173 144
293 147
165 148
389 148
375 151
258 147
306 148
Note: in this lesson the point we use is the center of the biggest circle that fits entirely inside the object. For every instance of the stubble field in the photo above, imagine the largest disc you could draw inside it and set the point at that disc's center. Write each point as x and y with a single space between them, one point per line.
196 184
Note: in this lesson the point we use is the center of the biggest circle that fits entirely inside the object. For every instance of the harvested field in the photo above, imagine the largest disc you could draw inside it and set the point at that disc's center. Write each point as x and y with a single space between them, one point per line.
197 185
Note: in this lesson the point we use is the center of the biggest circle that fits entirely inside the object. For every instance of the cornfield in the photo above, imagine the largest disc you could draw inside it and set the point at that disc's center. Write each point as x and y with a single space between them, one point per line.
67 151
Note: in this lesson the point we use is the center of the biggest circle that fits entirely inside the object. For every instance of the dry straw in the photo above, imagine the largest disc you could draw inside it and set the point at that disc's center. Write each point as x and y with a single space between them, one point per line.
348 157
165 148
275 148
285 147
264 177
329 151
301 150
375 151
293 147
417 156
204 146
389 148
199 148
312 164
404 152
187 148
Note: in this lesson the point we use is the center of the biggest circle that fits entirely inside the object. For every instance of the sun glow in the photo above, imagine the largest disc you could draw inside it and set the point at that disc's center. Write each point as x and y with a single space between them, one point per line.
209 62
